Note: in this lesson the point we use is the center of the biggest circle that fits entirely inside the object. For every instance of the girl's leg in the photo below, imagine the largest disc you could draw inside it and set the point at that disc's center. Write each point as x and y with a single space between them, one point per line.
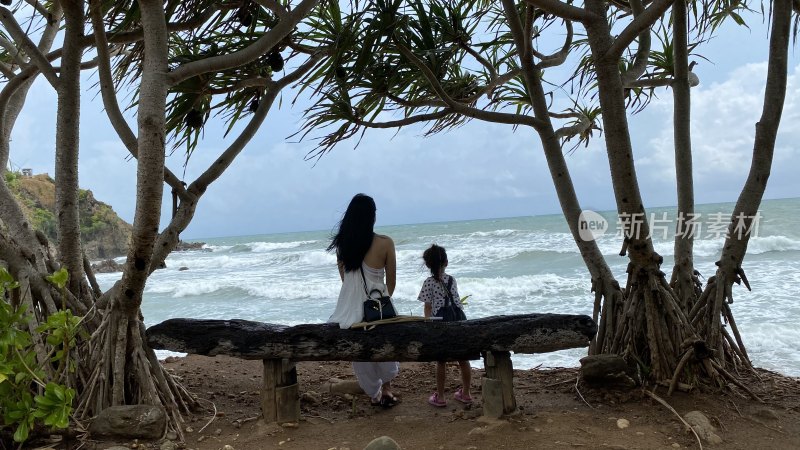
440 373
466 378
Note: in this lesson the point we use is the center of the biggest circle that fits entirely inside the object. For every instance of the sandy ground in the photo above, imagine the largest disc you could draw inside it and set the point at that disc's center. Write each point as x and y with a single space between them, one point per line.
553 413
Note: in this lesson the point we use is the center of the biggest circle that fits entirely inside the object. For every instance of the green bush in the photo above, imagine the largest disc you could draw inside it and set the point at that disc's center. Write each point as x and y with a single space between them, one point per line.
45 221
27 397
12 179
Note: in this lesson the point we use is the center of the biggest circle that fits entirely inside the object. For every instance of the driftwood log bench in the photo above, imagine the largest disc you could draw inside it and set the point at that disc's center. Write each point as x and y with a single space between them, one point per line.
280 347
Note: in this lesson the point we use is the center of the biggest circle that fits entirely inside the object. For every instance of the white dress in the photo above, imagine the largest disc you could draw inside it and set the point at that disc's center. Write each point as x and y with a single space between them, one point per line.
350 306
349 310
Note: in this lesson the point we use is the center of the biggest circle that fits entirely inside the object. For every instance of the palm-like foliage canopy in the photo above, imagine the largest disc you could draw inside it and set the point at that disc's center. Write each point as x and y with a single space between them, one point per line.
368 78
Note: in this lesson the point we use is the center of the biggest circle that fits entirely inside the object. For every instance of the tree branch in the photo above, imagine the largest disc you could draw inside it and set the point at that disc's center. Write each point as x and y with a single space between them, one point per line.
6 70
475 113
300 48
564 10
13 51
640 60
488 66
248 82
107 90
30 49
568 131
275 7
558 58
527 31
650 83
637 26
14 84
499 81
169 238
137 35
219 166
40 9
109 96
14 98
426 103
406 120
269 40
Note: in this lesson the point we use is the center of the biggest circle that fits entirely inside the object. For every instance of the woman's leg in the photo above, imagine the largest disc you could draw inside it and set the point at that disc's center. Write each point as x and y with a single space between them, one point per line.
375 377
369 379
387 371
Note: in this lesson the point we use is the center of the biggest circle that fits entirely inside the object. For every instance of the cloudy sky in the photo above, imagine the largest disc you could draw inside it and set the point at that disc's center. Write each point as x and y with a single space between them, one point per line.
477 171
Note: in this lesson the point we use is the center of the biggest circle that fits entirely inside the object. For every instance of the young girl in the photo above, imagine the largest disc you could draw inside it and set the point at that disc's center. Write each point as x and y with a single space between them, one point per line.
435 294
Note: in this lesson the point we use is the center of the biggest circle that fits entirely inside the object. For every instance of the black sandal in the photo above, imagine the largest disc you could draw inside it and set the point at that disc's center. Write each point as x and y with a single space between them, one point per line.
388 401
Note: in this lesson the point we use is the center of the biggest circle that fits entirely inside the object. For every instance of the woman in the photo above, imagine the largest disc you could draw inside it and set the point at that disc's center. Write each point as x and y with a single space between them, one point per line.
364 258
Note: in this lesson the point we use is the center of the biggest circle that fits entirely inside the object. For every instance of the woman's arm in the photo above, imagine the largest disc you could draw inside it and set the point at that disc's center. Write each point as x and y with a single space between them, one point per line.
391 266
427 309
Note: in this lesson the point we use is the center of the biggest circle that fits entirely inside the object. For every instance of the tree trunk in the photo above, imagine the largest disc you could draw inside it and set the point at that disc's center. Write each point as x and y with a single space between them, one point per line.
150 162
124 370
67 146
608 295
16 223
652 328
684 281
713 305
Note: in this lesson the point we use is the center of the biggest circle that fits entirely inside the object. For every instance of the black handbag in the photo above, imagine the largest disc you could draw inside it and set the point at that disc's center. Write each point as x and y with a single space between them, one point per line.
450 312
377 308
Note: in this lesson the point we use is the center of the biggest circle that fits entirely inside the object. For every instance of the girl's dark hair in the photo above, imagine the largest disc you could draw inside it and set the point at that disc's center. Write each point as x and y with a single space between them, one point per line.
355 233
435 258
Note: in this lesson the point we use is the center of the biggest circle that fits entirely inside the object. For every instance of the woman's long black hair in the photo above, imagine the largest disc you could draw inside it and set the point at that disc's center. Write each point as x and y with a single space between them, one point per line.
355 233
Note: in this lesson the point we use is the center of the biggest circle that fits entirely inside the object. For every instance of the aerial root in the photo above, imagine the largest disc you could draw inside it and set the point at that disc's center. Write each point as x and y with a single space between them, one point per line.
126 371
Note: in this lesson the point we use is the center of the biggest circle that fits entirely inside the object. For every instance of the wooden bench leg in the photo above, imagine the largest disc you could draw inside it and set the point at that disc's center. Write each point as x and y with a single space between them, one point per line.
498 384
280 395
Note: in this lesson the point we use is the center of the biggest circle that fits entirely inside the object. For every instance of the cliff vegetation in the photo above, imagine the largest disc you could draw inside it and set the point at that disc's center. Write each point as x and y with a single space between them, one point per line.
103 233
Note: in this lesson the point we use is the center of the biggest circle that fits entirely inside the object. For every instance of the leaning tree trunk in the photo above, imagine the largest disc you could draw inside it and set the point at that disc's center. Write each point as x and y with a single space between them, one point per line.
124 370
608 295
24 251
16 100
652 328
12 99
684 280
169 238
714 304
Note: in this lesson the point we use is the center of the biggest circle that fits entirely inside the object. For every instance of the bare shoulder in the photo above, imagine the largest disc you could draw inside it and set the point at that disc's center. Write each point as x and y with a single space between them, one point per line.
384 240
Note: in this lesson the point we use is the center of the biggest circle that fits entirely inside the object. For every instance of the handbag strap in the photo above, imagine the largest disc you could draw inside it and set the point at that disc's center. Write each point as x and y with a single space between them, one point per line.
449 300
365 281
369 293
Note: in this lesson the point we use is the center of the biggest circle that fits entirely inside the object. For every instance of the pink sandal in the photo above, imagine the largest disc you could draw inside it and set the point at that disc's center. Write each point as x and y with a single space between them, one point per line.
436 401
465 399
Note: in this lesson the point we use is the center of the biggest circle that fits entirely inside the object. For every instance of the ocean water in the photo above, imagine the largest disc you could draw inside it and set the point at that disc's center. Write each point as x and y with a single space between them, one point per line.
508 266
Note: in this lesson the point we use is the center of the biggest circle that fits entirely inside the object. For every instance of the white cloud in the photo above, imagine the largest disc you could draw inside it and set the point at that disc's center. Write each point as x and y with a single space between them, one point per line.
476 171
724 115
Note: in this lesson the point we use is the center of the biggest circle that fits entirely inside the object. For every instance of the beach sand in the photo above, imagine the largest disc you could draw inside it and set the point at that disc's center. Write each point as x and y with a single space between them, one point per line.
553 413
